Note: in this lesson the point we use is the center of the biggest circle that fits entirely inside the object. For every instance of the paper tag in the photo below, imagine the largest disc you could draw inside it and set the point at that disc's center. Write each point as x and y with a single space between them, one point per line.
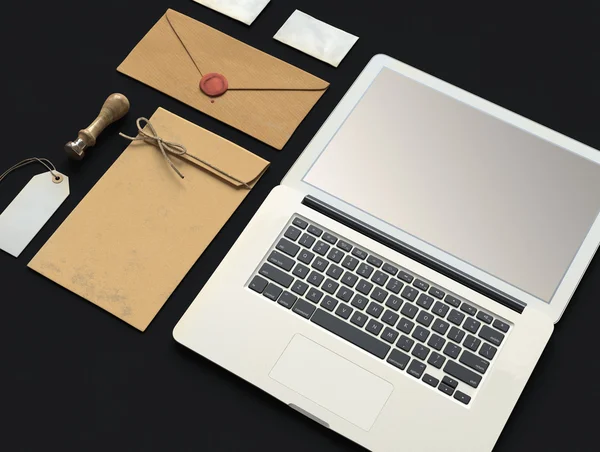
316 38
243 10
31 210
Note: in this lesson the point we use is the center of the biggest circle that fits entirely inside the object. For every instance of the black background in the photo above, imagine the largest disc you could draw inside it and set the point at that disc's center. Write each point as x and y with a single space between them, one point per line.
75 378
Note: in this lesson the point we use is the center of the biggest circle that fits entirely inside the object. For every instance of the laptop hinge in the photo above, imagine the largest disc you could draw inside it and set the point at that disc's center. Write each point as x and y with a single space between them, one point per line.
414 254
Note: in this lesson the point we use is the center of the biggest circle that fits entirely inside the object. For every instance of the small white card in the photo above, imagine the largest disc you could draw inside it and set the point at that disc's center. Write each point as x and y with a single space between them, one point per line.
31 210
316 38
243 10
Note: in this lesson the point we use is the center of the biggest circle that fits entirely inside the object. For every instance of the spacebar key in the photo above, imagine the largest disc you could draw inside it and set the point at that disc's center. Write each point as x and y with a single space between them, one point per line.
351 334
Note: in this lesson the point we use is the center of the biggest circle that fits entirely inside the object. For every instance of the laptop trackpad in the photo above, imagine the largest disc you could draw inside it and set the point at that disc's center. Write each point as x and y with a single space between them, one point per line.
332 382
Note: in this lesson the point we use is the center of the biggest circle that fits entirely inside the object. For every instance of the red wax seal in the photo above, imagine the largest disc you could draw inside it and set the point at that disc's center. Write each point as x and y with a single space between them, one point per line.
214 85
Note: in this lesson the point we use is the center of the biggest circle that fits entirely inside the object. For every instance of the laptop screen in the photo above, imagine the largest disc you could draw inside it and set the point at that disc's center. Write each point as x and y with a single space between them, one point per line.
492 195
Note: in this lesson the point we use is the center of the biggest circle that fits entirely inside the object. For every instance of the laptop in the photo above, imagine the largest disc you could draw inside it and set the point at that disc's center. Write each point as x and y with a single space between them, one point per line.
401 283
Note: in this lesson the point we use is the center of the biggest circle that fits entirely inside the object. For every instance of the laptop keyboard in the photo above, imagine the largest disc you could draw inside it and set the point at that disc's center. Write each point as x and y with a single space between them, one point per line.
385 310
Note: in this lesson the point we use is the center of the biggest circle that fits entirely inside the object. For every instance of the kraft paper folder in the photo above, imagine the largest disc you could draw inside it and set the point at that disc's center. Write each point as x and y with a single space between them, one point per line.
266 98
135 236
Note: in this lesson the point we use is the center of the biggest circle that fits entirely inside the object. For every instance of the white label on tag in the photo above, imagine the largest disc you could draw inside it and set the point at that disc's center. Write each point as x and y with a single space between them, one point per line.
243 10
30 211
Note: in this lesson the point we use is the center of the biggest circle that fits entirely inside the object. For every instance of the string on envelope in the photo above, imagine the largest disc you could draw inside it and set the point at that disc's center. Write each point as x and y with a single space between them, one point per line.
165 147
47 163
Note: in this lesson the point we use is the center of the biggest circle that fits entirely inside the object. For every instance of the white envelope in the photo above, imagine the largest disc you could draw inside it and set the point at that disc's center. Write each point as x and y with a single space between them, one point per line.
243 10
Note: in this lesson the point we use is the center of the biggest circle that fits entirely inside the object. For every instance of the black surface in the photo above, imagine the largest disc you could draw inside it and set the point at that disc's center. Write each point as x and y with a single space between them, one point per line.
75 378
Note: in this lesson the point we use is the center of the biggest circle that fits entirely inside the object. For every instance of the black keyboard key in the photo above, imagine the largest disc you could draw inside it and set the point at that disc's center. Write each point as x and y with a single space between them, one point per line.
375 310
299 288
315 278
492 336
398 359
276 275
388 268
462 397
258 284
405 325
307 240
390 318
421 352
437 293
344 294
420 334
390 335
300 223
349 279
351 334
471 325
394 286
452 350
393 302
440 309
379 295
350 263
287 300
315 231
359 319
471 310
425 301
272 292
485 318
446 389
344 311
488 351
360 302
364 270
364 287
410 293
500 325
306 257
420 284
281 261
474 362
345 246
436 360
304 308
472 343
335 255
405 343
301 271
453 301
374 327
379 278
321 248
439 326
330 238
330 286
424 318
416 368
320 264
405 277
409 310
456 335
436 342
314 295
456 317
329 303
359 253
450 382
431 381
374 261
287 247
462 374
293 233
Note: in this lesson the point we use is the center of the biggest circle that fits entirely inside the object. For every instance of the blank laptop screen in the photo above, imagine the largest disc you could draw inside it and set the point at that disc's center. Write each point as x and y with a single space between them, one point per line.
490 194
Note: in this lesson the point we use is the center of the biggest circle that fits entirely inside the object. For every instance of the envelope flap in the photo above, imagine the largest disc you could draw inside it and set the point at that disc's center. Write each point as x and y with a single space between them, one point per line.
244 67
223 156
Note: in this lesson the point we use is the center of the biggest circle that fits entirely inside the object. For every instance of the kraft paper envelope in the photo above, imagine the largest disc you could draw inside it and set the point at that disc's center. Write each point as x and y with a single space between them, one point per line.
135 236
266 97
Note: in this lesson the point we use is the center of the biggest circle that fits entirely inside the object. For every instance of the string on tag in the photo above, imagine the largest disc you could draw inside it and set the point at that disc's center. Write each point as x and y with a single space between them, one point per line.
165 147
47 163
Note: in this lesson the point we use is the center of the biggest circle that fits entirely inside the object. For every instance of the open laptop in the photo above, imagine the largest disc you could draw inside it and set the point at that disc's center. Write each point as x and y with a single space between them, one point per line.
402 282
